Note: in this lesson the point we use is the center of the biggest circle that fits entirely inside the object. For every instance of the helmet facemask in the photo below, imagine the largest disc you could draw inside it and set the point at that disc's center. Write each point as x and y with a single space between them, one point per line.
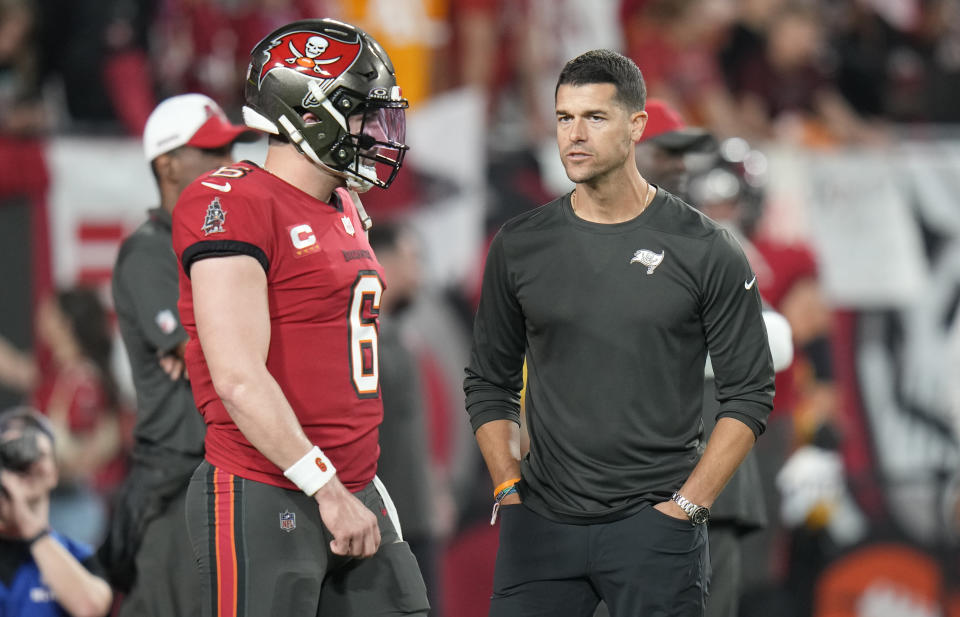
376 135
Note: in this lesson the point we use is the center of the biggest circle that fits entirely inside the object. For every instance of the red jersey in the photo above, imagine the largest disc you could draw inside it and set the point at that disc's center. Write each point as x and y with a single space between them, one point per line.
784 265
324 287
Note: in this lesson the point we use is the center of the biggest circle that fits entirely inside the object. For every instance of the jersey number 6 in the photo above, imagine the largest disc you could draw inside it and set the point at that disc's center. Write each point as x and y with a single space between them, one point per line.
364 338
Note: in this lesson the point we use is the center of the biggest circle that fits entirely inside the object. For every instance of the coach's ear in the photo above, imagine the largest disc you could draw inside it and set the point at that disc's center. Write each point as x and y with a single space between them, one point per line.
638 122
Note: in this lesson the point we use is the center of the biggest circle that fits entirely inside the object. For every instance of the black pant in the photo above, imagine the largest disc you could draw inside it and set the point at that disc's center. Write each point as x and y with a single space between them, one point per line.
167 582
725 569
646 565
262 551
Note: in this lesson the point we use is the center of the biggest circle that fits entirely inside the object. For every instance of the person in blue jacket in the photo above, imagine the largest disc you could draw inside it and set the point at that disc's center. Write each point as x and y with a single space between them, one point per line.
42 574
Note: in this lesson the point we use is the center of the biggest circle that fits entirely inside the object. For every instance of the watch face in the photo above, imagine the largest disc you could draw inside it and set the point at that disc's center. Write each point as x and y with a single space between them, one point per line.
700 516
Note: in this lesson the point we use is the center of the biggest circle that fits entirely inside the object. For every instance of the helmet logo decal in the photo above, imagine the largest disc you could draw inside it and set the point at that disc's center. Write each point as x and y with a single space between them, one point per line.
314 48
310 53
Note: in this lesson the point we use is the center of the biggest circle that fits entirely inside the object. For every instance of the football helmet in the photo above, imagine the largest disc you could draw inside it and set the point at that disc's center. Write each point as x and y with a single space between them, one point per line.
737 174
342 77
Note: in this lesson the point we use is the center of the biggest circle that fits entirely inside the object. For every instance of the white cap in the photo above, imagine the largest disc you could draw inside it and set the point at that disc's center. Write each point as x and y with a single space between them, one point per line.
188 120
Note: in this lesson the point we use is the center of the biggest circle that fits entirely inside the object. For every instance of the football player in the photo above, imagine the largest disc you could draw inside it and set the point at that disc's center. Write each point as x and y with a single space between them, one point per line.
280 292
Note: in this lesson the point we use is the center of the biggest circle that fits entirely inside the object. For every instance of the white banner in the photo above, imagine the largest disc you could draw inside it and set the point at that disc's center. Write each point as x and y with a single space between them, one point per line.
867 239
94 182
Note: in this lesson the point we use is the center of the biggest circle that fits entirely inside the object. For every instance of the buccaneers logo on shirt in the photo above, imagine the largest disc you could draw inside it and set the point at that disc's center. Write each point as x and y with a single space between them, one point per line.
647 258
213 221
308 52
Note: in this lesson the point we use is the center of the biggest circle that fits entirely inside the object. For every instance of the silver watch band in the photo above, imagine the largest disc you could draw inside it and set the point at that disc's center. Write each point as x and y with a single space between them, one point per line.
685 504
698 515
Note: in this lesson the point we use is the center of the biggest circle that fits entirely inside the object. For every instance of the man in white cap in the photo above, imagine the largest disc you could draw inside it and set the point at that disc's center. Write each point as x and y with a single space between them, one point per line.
148 553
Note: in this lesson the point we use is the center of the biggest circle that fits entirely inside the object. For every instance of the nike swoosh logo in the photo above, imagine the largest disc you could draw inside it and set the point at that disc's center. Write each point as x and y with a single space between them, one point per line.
223 188
749 285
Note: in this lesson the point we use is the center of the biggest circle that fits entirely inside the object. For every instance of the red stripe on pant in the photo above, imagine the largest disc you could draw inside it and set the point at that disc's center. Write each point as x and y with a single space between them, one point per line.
226 557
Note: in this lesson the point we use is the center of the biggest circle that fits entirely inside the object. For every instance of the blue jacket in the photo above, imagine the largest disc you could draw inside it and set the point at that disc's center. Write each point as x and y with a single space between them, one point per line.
22 592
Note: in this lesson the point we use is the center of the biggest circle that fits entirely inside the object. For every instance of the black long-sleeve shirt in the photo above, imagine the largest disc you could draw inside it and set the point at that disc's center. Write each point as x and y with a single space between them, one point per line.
615 322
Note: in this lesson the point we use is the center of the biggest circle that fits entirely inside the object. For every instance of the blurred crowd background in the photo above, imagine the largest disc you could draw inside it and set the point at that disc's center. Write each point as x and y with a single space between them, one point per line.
838 158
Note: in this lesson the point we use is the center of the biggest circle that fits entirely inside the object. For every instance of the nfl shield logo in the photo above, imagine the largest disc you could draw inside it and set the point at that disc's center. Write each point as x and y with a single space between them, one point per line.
288 521
348 225
166 321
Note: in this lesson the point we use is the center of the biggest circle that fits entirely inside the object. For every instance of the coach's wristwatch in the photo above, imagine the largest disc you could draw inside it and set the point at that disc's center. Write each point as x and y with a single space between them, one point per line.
698 515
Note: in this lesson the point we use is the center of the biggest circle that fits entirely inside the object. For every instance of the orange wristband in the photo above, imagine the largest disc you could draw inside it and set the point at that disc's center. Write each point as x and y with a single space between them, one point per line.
504 485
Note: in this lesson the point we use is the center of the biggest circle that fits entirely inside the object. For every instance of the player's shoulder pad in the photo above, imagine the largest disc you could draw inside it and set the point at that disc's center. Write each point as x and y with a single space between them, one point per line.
224 179
231 181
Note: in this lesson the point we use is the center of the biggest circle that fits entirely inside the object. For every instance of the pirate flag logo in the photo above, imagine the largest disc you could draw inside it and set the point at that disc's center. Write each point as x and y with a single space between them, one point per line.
214 219
310 53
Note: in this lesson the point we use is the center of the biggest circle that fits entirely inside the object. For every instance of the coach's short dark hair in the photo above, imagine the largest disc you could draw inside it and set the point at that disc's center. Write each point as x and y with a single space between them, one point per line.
602 66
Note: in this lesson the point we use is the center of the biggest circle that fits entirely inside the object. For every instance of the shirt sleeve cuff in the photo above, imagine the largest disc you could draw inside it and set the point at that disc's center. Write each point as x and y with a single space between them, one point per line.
752 423
479 418
222 248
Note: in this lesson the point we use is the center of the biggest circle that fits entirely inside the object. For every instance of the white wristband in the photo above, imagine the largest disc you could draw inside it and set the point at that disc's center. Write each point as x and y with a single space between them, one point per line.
311 472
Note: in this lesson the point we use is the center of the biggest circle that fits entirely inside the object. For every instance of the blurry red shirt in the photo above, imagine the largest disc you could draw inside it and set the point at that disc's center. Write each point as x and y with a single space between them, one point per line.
785 265
83 392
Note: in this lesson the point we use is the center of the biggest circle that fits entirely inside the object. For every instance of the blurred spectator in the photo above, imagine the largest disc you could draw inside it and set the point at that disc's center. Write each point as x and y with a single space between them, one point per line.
674 42
97 51
485 45
200 50
510 51
879 72
45 572
79 396
20 110
786 91
940 39
746 36
204 45
24 181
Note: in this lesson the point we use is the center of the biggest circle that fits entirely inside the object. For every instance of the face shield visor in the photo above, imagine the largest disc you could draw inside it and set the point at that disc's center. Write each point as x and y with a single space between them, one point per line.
378 134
